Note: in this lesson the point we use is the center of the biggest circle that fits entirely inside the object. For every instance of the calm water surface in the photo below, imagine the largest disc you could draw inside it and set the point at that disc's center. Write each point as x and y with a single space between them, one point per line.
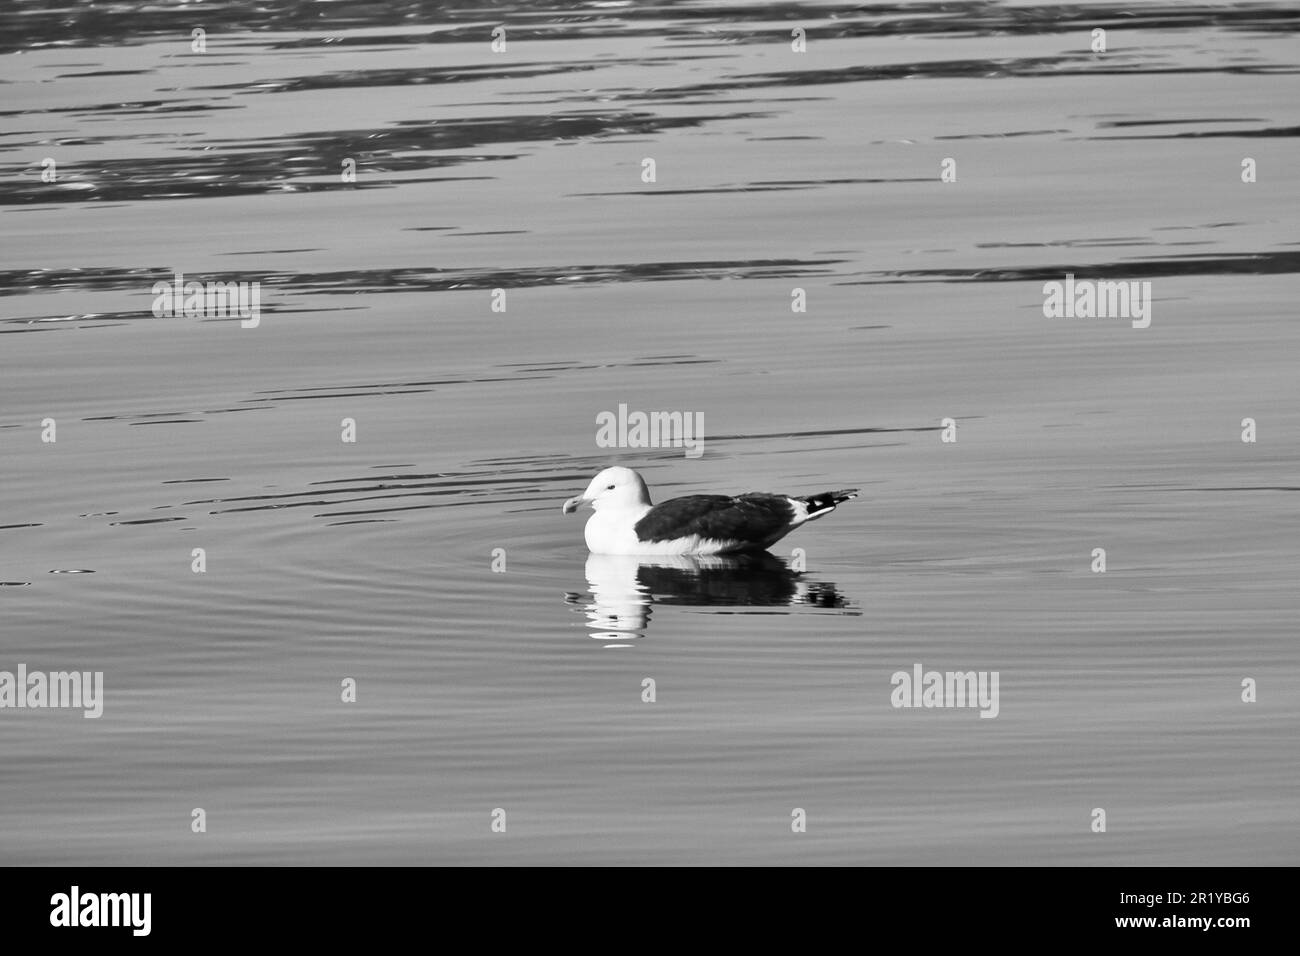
774 171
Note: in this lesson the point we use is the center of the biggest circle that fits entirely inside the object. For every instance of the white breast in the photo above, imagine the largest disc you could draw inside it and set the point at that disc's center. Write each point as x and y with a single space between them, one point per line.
613 532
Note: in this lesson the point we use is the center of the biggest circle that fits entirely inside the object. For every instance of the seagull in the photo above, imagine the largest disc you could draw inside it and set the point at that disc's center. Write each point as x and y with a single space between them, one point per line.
625 522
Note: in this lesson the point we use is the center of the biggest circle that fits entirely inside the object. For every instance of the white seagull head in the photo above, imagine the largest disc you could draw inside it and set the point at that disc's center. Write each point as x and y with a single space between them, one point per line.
614 488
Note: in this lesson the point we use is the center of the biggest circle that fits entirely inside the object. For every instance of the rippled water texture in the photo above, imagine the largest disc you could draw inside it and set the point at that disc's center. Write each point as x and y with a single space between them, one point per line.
497 665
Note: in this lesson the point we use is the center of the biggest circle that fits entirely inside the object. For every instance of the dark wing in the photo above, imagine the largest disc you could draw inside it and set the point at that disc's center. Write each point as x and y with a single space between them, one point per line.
753 518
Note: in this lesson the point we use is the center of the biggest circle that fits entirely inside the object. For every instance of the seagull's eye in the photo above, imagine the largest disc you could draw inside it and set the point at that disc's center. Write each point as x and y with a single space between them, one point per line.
609 488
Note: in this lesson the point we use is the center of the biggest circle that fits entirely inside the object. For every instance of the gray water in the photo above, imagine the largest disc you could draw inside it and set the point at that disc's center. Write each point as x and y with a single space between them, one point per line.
512 678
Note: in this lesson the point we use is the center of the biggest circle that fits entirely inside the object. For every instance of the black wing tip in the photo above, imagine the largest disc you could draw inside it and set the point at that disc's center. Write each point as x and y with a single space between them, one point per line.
827 500
844 494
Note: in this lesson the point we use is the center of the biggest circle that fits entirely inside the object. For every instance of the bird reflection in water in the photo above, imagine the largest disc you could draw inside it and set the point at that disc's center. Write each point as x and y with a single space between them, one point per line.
624 588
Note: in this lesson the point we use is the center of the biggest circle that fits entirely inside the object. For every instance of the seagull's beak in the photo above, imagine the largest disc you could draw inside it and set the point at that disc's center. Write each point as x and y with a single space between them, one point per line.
573 504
